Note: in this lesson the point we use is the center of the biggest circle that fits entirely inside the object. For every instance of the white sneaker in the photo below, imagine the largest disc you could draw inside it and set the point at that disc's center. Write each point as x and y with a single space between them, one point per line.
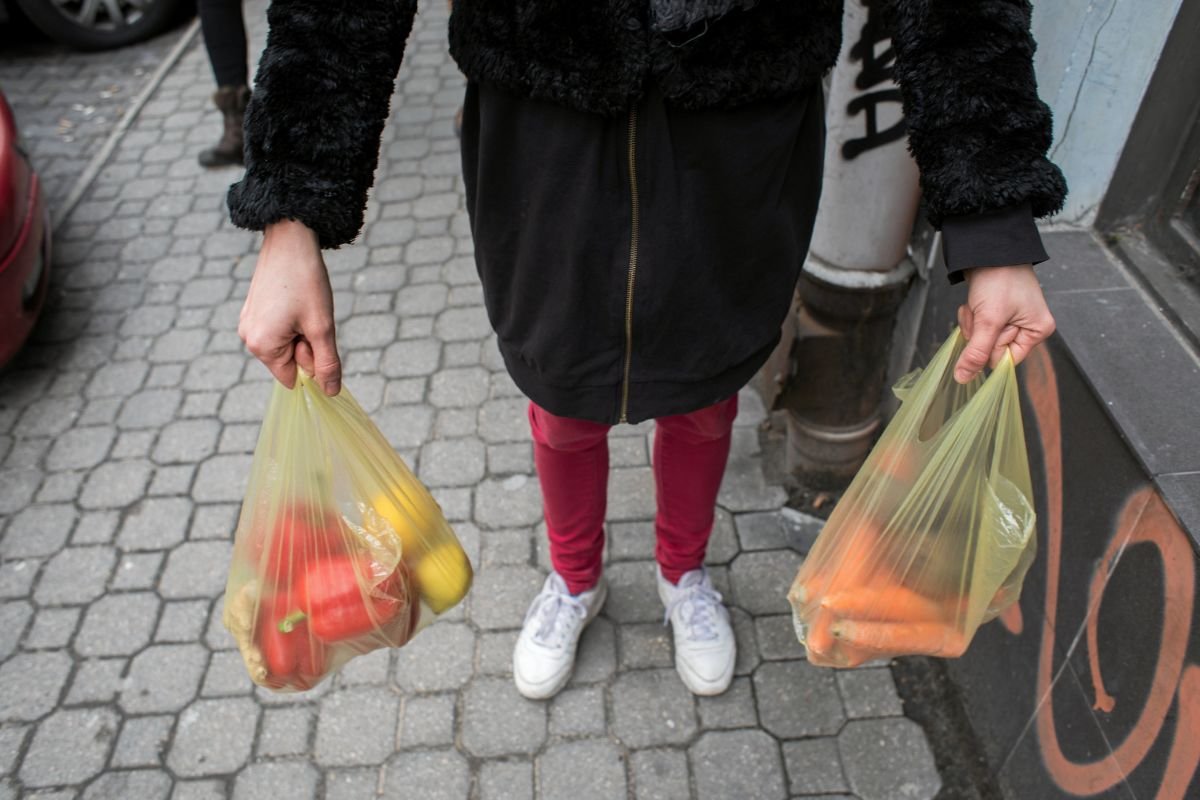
545 651
705 649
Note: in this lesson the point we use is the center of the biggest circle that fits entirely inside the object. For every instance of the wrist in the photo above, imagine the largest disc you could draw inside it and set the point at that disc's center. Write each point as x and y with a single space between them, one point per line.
289 230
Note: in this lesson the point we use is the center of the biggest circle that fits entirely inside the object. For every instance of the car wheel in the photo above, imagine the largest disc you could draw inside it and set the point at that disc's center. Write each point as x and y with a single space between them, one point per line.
102 24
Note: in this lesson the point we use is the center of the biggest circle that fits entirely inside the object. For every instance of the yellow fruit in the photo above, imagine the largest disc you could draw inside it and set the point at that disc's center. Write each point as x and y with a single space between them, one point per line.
444 576
405 520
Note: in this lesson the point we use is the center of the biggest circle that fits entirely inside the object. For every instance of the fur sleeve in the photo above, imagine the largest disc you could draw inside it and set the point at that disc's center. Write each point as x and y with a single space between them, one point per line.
976 126
319 105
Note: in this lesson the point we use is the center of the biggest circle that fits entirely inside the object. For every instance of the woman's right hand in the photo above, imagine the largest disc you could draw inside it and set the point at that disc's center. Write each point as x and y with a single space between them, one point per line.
287 319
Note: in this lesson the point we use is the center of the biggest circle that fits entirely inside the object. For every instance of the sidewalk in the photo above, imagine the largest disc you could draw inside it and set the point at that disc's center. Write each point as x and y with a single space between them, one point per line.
126 430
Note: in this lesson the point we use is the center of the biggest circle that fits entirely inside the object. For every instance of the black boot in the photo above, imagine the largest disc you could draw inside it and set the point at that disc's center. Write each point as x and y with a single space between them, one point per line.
231 102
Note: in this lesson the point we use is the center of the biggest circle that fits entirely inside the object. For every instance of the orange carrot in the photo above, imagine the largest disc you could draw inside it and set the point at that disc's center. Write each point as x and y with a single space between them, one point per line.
889 602
819 637
902 638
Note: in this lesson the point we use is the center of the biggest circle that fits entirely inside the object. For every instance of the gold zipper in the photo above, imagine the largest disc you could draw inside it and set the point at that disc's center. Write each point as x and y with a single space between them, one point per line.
633 262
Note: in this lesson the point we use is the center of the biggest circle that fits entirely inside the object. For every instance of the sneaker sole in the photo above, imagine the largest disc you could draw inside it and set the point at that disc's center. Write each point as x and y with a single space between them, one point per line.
547 689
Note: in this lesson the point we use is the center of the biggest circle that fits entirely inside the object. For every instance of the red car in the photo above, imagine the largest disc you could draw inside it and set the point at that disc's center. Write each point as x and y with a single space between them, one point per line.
24 241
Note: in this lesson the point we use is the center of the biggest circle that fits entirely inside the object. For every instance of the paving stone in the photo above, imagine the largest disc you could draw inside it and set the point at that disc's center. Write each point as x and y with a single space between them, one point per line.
173 480
52 628
96 681
498 721
200 790
356 726
214 372
214 521
368 330
505 548
142 741
651 708
438 659
148 321
137 571
733 709
459 388
17 576
814 766
761 580
454 462
33 683
49 417
630 541
427 721
496 652
645 645
143 784
737 764
722 544
869 693
69 747
592 768
115 485
631 494
151 408
80 448
222 479
133 444
11 739
285 731
504 420
213 737
506 780
163 678
96 527
888 758
295 780
14 616
117 624
246 402
796 699
182 621
196 569
75 575
38 531
660 775
155 524
776 637
596 659
501 596
226 676
578 712
178 345
506 459
513 502
439 774
456 504
204 292
744 487
369 669
405 426
633 593
453 423
411 358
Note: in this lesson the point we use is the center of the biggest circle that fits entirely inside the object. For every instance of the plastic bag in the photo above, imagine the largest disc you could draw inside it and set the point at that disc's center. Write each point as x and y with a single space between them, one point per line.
936 532
339 550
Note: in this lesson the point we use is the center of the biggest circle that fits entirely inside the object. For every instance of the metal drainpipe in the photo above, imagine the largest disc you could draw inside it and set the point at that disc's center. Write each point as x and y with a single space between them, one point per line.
858 269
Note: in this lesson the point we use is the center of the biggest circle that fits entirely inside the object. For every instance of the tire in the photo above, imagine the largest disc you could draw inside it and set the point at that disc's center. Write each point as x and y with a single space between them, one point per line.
60 23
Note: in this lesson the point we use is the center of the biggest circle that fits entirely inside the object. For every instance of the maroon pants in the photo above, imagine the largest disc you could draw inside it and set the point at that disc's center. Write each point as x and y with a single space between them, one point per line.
690 451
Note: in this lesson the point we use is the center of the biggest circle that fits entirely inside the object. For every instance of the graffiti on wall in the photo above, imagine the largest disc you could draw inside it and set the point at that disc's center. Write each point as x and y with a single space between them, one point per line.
1144 520
876 68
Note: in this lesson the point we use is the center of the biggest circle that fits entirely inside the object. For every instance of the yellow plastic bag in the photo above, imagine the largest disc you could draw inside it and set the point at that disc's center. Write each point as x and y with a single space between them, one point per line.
936 532
339 550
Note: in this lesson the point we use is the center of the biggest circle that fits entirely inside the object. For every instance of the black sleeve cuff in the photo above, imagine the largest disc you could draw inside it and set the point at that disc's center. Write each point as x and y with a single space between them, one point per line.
1001 238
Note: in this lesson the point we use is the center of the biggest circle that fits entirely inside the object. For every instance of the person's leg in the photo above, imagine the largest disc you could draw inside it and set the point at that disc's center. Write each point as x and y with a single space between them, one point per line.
690 451
224 32
572 464
571 456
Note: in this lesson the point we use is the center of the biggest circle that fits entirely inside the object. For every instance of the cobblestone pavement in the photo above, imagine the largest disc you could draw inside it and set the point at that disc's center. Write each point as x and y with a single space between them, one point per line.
67 102
126 430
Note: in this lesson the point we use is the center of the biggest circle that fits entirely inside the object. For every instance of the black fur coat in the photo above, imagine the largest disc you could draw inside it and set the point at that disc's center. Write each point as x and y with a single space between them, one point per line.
976 126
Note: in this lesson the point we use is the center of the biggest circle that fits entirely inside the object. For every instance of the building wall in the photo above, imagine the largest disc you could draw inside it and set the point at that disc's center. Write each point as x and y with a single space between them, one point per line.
1095 59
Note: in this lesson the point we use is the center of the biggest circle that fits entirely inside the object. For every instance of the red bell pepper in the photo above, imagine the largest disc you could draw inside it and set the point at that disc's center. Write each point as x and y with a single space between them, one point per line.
346 596
301 535
294 658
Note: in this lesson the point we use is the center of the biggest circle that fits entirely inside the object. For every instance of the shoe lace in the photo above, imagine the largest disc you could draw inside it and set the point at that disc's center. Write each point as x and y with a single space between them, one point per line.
554 609
697 602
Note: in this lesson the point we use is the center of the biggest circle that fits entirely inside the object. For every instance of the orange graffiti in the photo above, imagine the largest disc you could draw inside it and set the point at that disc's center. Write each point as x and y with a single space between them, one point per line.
1145 518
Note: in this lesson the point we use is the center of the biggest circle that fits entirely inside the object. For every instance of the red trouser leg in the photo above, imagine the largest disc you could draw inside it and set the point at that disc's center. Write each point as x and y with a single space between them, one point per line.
690 451
572 465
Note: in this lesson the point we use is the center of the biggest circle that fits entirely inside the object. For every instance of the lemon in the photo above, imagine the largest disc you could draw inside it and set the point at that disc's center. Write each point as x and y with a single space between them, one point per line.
443 576
404 518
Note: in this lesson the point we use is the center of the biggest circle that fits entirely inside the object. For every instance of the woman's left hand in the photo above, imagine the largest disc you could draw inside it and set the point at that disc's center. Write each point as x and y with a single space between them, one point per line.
1005 308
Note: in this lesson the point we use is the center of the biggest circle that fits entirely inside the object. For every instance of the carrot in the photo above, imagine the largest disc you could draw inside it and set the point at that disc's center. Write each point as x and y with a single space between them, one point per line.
890 602
819 636
899 462
896 638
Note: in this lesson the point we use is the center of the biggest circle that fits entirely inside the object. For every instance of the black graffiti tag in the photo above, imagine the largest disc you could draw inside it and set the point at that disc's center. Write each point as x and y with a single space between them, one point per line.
877 67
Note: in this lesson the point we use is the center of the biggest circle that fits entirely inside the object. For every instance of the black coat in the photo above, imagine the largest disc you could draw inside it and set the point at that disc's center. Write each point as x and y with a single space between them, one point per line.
976 127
